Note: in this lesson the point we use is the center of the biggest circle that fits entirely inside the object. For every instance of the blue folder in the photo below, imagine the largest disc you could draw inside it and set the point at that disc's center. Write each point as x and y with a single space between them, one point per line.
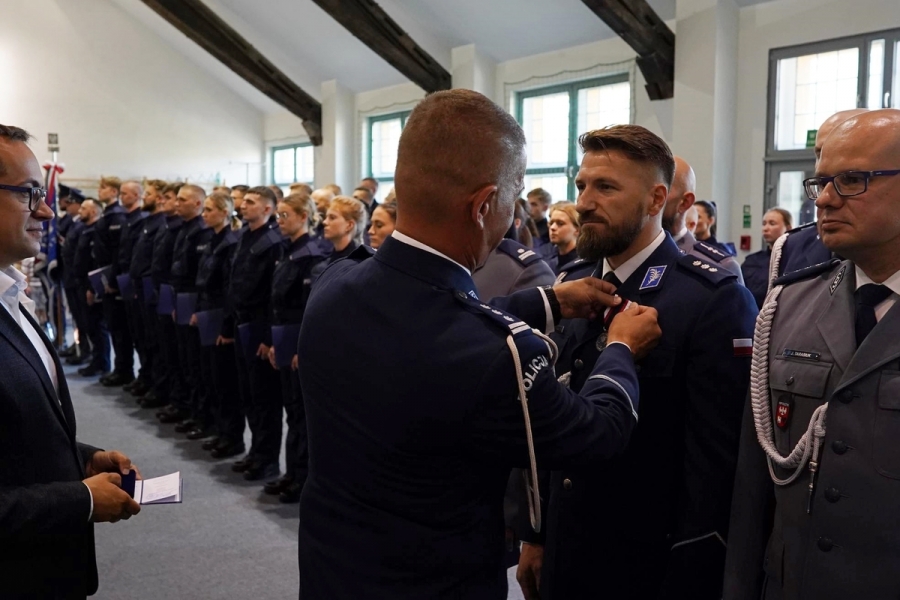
251 335
284 339
166 303
150 295
99 278
209 322
125 287
185 306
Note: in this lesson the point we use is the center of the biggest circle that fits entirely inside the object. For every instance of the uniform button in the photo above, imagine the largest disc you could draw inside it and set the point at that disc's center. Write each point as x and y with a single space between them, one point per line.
825 544
832 494
578 364
789 380
567 484
847 397
839 447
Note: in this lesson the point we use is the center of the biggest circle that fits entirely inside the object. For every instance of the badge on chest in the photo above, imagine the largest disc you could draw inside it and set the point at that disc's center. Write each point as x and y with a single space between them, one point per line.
783 413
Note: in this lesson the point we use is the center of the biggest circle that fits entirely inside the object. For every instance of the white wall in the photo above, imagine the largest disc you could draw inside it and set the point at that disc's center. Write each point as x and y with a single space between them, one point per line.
122 101
775 25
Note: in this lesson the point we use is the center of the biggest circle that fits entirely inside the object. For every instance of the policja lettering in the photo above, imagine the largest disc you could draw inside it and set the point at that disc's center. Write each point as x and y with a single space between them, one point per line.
534 368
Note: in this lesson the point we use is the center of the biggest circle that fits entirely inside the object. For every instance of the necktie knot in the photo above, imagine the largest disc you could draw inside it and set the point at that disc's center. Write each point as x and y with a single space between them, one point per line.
611 278
872 294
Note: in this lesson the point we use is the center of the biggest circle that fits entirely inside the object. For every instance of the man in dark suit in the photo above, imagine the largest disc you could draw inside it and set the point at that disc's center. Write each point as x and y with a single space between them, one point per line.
52 488
410 449
652 523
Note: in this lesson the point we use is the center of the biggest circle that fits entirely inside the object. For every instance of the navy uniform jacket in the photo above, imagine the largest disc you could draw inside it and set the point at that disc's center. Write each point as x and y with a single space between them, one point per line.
250 283
164 250
803 248
551 255
756 274
84 262
130 234
191 242
293 278
69 248
107 233
848 546
509 268
661 509
214 269
46 540
62 229
142 253
410 449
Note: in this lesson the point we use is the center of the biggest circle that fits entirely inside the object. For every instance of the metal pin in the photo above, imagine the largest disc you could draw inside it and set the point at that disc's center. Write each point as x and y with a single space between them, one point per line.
812 485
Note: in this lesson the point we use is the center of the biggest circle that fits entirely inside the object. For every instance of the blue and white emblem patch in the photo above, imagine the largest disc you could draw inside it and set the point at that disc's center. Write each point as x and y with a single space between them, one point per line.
653 277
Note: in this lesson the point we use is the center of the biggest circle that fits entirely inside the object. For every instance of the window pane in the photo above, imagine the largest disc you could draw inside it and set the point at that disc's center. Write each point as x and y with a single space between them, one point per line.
305 170
545 120
384 188
284 165
895 91
811 88
875 87
602 106
557 185
385 140
791 197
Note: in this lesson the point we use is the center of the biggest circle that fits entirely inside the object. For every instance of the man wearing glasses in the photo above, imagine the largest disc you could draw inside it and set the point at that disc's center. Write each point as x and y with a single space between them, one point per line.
825 394
52 488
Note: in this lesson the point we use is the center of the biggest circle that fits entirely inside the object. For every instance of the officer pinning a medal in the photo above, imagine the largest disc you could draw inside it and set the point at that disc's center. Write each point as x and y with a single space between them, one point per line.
820 447
653 522
411 447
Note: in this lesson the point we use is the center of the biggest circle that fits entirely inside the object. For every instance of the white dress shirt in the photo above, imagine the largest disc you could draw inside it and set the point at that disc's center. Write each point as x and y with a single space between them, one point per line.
12 294
627 268
893 282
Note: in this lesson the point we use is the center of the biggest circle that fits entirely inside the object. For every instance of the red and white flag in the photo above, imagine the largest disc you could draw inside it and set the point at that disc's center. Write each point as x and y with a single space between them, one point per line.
743 347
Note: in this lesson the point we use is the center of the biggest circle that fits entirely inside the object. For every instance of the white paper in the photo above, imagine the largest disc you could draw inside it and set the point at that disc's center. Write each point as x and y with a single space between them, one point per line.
159 490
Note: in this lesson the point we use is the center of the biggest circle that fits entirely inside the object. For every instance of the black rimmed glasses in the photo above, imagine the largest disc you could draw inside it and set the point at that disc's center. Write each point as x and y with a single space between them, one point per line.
851 183
36 195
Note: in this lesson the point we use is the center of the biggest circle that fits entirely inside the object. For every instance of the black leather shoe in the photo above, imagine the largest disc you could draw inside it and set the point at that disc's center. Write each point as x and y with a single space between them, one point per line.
168 408
291 494
174 416
242 465
117 379
138 388
211 444
151 400
258 471
91 371
197 433
79 360
68 351
185 425
273 488
227 451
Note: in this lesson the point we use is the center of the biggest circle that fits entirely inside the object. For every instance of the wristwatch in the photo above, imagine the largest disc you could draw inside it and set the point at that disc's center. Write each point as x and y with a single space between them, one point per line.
553 301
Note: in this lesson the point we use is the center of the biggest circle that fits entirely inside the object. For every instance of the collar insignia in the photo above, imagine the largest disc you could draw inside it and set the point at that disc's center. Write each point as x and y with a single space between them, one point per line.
653 277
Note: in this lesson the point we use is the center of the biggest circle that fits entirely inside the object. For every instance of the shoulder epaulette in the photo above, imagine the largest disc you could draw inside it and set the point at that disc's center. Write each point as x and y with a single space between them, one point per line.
709 269
808 273
508 322
577 269
360 254
801 228
710 251
273 237
311 250
523 254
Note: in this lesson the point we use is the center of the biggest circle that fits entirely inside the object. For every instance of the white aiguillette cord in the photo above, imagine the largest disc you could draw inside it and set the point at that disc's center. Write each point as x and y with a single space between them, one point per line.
534 492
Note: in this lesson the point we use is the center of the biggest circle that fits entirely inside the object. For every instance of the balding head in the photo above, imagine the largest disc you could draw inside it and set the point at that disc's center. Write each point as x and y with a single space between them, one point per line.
130 195
681 197
89 212
831 122
460 167
863 224
189 202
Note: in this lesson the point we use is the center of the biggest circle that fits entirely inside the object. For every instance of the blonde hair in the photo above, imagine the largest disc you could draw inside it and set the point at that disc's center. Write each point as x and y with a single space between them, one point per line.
335 188
301 203
113 182
223 202
352 210
569 209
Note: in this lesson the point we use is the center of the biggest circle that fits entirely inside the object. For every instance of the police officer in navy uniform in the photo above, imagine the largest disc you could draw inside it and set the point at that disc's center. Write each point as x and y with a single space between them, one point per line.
78 353
190 244
69 202
818 481
653 522
90 305
212 285
250 289
410 449
147 386
292 282
509 268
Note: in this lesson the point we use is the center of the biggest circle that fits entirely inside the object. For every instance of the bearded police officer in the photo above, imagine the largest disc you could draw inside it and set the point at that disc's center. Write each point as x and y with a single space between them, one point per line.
653 522
410 448
824 423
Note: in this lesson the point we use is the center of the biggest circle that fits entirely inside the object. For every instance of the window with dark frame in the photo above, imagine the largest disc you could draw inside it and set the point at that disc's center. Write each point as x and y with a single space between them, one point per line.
383 141
293 163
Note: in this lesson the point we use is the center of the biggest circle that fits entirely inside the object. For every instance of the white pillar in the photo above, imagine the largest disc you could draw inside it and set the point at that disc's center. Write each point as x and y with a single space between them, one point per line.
706 63
334 159
473 71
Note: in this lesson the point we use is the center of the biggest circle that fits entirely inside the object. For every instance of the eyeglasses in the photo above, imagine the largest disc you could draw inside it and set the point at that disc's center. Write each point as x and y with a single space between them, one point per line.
36 195
851 183
282 216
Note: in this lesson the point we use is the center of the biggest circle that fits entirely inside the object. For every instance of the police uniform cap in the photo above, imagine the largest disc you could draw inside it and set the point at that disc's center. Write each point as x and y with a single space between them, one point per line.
73 194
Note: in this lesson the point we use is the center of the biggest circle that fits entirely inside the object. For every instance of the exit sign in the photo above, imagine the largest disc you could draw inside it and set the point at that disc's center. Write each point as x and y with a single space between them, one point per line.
811 138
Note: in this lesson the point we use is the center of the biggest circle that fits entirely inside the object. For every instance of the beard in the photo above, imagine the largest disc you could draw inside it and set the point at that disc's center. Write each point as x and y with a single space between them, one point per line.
668 223
593 246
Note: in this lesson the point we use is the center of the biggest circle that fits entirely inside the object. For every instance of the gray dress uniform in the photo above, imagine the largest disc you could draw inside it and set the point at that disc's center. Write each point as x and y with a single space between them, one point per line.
509 268
836 532
689 245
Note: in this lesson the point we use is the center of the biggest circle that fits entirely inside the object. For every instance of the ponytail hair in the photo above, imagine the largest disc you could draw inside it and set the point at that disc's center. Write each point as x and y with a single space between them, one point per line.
223 202
301 203
352 210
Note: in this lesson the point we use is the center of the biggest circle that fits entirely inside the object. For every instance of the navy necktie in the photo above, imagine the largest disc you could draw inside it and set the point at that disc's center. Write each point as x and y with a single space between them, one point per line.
867 298
611 278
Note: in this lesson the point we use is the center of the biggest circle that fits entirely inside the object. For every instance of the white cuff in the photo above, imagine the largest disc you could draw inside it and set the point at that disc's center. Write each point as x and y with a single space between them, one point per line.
624 344
550 326
90 514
